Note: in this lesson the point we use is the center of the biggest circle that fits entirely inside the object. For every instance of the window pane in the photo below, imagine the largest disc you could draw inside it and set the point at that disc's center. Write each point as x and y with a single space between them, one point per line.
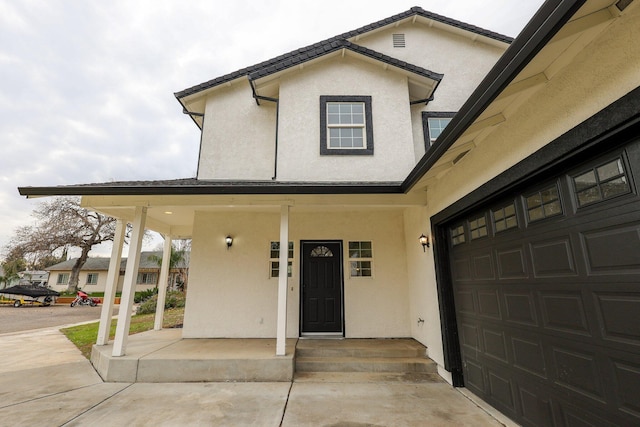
332 107
358 119
552 209
333 119
549 195
536 213
510 210
589 196
500 226
610 170
358 143
357 108
512 222
615 187
585 180
534 200
499 214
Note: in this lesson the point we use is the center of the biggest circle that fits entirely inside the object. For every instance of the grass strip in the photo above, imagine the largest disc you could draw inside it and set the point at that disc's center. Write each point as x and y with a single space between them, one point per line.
85 336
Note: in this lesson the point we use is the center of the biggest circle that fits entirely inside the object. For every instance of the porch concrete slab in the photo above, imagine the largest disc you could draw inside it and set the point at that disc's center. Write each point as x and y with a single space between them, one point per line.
163 356
371 404
125 368
367 377
218 360
204 404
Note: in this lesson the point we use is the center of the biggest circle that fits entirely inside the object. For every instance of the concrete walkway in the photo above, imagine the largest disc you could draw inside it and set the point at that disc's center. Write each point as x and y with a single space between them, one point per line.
45 381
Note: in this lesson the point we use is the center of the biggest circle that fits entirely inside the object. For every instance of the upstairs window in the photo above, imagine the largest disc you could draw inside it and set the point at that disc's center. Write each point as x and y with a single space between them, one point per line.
346 125
433 124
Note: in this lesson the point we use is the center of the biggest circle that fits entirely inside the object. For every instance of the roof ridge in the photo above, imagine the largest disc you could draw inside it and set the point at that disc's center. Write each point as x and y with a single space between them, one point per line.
416 10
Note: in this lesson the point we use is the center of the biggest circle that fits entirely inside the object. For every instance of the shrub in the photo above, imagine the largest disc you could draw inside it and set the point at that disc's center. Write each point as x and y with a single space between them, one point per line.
175 299
144 295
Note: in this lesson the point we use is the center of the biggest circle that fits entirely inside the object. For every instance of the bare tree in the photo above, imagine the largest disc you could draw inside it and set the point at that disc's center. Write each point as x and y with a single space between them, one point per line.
61 224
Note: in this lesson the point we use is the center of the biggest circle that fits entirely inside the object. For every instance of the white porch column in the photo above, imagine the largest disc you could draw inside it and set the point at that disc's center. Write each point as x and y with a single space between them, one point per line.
281 337
130 275
112 284
162 283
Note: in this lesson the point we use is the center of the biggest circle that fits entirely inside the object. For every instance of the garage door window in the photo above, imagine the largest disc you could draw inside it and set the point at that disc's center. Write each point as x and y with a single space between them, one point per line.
543 204
478 227
505 218
457 235
601 182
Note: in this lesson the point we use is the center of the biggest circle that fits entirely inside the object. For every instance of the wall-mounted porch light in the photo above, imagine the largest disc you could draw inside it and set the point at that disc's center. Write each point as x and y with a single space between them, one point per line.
229 241
424 241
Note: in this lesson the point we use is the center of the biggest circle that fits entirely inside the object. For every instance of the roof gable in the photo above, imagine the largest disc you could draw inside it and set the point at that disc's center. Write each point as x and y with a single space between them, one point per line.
340 42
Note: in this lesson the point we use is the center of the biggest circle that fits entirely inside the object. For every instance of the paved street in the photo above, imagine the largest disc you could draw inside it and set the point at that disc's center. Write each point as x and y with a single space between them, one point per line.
15 319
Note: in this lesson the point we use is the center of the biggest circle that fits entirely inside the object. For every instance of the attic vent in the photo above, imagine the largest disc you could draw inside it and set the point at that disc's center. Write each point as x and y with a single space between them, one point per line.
459 157
398 40
621 5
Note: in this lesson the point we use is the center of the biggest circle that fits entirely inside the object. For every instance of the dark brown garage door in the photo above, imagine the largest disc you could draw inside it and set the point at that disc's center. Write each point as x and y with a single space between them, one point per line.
547 293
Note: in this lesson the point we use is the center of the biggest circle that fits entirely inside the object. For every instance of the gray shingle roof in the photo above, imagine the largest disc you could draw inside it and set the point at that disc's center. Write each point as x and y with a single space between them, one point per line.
102 264
337 42
198 186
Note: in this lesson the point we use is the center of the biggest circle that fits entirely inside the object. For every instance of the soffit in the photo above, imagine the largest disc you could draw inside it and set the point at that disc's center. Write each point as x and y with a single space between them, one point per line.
582 28
174 214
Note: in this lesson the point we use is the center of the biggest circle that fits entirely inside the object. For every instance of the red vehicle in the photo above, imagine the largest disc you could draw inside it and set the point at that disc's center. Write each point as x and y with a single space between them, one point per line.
84 299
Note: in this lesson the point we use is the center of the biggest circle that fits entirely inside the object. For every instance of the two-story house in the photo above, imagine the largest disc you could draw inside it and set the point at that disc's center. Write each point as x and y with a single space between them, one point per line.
507 241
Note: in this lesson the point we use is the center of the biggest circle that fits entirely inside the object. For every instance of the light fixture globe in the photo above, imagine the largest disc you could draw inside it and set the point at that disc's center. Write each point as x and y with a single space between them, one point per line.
424 241
229 241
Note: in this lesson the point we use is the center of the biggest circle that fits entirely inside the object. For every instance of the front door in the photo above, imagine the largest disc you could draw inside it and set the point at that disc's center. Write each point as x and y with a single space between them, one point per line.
321 288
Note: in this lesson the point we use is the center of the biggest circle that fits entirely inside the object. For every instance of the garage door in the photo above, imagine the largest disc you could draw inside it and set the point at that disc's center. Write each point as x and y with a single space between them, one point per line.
546 286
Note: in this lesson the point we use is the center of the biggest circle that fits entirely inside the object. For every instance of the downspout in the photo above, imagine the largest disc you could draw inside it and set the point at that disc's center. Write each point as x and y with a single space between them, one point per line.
259 98
192 115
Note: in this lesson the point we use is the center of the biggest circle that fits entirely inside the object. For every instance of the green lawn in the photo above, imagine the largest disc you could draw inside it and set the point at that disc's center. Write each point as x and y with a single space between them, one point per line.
85 336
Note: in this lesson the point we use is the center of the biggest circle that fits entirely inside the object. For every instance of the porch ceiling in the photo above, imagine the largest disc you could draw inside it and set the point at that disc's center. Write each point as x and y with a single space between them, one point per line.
585 26
174 215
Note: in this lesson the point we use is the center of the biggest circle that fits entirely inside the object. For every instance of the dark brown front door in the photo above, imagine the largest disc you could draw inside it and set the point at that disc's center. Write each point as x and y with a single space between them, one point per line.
321 305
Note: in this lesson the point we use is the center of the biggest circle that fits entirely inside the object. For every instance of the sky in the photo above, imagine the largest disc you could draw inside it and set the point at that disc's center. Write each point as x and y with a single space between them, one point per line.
86 86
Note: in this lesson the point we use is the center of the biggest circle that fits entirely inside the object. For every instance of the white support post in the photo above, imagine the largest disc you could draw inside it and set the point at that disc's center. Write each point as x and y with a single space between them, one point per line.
281 337
130 275
162 283
112 284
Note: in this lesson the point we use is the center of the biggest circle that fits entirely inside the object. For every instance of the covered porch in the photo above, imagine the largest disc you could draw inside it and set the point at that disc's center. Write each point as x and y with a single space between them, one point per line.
165 357
233 292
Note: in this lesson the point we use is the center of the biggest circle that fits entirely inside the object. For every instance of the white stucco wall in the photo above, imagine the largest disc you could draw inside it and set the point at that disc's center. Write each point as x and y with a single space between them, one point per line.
231 295
299 156
463 61
238 136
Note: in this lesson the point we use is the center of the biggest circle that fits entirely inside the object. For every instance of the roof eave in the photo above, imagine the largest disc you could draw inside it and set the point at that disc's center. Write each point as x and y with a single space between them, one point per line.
552 15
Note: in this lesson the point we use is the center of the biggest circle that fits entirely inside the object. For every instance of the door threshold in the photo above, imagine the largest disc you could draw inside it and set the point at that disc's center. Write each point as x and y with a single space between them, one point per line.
322 335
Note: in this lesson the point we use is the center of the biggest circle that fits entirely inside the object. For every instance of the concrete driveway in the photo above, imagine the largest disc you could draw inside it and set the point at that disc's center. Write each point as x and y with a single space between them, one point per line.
45 381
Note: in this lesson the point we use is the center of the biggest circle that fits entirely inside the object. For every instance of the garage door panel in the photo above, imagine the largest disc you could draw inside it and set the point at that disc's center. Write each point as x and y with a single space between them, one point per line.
502 390
536 406
578 371
615 250
489 304
564 312
528 355
520 308
619 316
627 387
553 258
495 344
483 267
474 376
462 269
511 263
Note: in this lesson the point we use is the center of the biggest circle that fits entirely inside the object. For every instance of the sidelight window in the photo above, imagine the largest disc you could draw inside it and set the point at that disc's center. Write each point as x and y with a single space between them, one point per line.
360 259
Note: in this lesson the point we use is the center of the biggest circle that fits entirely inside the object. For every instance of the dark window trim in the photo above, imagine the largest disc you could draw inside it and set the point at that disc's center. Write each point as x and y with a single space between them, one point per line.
324 149
619 155
426 115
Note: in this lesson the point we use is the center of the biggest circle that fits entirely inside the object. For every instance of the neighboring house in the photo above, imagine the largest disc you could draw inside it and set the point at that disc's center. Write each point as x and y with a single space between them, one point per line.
322 159
34 277
93 274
